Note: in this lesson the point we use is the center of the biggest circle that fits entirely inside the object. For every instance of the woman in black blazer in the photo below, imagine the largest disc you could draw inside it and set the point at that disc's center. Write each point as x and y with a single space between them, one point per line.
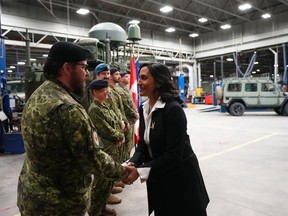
164 157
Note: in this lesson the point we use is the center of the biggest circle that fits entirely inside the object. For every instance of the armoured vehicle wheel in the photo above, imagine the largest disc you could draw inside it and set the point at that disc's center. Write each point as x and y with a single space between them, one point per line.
218 92
237 109
285 109
277 110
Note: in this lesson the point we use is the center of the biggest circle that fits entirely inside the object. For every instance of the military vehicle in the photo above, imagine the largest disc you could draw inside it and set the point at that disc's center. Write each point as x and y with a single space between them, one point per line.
17 88
239 94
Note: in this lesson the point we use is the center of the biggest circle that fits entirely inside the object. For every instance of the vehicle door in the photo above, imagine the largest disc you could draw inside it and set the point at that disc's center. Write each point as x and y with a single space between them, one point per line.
251 94
268 94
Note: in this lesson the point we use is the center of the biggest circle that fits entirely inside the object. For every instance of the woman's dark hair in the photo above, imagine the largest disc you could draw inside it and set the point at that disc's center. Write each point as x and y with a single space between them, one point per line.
161 74
52 69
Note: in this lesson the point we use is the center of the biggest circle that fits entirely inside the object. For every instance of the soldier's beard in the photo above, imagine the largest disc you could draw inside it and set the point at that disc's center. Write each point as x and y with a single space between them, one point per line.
79 92
78 85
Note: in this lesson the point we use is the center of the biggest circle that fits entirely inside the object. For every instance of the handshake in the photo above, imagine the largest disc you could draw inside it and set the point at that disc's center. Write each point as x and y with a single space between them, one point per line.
131 174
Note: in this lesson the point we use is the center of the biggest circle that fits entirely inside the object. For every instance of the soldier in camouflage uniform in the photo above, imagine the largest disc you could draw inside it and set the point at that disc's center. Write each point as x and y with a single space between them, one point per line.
131 112
61 143
111 133
113 80
114 102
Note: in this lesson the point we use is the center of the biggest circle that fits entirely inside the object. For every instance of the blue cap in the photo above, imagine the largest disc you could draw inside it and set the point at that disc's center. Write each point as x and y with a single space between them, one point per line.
98 84
101 67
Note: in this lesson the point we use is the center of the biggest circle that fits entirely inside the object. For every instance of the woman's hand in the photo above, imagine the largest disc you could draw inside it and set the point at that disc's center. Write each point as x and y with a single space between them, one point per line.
133 173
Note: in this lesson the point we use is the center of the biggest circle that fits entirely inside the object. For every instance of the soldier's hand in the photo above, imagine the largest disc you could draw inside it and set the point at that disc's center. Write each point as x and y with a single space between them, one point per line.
122 125
132 176
127 169
120 143
127 126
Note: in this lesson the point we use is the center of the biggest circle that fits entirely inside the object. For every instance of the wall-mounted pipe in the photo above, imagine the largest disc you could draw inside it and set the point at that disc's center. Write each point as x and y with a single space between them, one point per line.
214 70
275 65
285 65
250 66
222 68
238 70
199 74
28 50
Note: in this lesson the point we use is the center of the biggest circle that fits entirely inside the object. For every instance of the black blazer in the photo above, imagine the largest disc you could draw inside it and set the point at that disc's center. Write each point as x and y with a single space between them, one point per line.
175 184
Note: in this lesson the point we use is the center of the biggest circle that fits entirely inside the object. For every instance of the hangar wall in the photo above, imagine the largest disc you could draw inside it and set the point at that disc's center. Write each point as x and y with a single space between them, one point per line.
260 33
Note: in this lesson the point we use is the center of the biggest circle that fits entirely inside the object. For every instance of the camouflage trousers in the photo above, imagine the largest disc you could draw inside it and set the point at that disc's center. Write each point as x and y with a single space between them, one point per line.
31 203
99 195
128 145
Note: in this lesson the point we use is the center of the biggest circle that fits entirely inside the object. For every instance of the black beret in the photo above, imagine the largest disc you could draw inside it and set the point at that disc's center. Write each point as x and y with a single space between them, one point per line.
113 70
101 67
98 84
68 52
123 73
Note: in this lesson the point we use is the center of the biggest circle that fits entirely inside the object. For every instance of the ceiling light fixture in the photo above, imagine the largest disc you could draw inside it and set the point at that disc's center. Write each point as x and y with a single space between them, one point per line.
134 22
9 71
12 67
226 26
229 59
202 20
32 59
256 62
193 35
170 29
21 63
266 16
166 9
245 6
45 55
82 11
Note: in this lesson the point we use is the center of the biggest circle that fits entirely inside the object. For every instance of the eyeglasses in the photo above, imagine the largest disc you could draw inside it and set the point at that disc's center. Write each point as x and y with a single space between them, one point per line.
85 66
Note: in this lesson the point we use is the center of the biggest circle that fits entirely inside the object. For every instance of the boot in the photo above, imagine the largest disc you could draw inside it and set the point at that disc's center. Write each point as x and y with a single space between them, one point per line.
112 199
116 190
108 211
119 184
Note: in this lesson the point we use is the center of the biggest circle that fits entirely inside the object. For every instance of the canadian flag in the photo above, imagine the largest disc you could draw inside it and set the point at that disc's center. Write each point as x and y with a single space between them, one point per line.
134 91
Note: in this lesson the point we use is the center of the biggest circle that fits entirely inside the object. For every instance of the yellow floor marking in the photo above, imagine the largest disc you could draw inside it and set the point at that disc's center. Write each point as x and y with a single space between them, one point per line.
189 105
239 146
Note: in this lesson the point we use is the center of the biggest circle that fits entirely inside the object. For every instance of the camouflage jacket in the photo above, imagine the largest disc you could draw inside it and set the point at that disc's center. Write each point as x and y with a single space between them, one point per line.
108 126
62 151
129 107
115 102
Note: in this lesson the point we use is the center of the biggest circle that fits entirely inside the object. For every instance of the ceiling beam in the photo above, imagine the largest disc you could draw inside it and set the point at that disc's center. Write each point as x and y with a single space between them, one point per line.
127 17
187 12
220 9
154 14
284 2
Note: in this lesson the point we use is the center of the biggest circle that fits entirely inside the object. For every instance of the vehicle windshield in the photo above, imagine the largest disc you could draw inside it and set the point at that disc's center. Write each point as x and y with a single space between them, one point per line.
16 86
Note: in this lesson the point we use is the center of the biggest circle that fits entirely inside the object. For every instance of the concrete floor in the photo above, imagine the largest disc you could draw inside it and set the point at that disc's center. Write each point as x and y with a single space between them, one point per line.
243 160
